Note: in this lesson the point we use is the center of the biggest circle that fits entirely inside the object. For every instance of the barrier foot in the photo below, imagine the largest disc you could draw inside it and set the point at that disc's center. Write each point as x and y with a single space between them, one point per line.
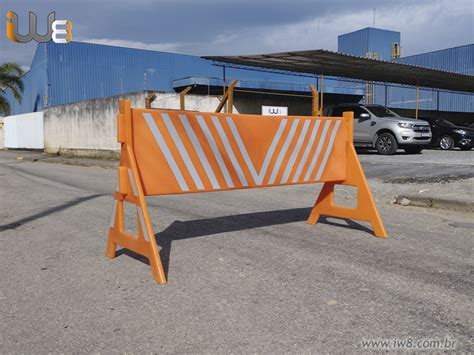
111 249
157 269
143 244
365 210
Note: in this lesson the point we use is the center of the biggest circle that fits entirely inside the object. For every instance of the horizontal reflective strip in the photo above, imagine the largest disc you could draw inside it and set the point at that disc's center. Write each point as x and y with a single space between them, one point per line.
328 150
132 182
318 150
200 152
295 153
229 151
166 152
283 151
142 223
307 150
215 150
182 151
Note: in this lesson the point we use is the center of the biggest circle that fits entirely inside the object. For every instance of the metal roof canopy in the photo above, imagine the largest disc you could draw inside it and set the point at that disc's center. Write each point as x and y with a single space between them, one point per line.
342 65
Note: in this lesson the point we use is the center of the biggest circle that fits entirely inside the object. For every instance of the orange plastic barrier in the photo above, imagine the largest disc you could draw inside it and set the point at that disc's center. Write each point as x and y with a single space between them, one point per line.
177 152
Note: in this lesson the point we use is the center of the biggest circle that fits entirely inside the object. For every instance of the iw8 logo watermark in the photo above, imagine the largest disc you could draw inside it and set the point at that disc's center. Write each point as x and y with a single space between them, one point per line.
58 30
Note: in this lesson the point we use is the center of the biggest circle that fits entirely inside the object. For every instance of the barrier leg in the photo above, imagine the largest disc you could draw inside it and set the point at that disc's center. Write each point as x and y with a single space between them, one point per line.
130 190
365 210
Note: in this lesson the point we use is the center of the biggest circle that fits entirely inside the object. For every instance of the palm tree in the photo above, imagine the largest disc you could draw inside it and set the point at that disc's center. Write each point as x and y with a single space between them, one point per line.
10 78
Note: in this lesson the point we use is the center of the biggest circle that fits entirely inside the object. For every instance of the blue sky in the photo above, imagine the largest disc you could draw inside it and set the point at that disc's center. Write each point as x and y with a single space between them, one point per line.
210 27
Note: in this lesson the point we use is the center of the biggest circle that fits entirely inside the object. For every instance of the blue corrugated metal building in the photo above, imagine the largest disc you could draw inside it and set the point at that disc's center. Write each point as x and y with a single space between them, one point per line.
62 74
378 43
458 59
369 41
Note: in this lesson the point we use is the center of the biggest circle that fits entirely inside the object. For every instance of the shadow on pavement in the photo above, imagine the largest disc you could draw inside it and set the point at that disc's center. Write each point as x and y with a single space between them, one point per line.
48 211
179 230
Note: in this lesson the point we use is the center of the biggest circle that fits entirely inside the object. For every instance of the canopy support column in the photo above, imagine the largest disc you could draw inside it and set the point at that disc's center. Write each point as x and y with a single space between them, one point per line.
417 98
321 87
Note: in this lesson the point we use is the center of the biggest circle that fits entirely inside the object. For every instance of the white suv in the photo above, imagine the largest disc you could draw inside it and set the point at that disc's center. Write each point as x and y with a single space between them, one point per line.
380 128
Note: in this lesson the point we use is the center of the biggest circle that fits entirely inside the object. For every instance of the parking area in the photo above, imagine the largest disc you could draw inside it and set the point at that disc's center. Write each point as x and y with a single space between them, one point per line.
430 166
246 273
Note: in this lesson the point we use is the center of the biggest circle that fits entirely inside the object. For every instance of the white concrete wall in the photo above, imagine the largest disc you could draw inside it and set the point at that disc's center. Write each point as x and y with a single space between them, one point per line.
89 128
24 131
192 102
2 135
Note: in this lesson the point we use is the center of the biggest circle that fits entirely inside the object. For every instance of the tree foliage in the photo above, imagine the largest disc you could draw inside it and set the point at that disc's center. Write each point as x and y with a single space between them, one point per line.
10 79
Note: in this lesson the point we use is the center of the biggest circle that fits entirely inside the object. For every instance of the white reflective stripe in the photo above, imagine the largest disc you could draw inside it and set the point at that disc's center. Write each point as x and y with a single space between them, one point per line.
215 150
182 150
166 152
328 150
258 178
114 214
318 150
198 148
142 223
230 152
312 137
132 182
276 168
295 153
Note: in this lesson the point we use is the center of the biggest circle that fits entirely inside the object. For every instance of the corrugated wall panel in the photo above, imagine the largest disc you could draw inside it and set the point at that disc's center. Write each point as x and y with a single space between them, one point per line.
368 40
81 71
380 41
355 43
457 59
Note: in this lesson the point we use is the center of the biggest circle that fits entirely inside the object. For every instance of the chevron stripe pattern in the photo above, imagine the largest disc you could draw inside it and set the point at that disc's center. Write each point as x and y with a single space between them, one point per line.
183 152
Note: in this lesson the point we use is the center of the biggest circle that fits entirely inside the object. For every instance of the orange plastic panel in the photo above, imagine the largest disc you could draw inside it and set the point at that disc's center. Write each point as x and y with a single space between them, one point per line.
184 152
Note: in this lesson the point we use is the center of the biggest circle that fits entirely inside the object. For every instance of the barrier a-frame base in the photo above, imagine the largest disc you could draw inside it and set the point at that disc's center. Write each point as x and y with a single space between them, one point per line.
365 210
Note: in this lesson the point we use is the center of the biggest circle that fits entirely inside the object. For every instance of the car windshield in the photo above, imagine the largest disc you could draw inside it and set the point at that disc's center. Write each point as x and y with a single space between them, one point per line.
446 122
381 111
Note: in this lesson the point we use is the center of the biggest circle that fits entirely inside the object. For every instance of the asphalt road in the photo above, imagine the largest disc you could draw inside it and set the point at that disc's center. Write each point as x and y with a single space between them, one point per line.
246 274
428 167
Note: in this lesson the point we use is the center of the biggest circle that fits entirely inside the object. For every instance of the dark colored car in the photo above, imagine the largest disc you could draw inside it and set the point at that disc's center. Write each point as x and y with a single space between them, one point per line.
446 135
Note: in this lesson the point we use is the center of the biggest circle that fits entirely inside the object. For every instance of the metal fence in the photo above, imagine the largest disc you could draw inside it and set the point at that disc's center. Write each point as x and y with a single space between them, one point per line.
231 98
262 102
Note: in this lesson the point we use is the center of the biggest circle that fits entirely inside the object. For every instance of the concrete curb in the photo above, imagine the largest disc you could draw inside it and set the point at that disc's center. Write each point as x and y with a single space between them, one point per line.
106 164
435 202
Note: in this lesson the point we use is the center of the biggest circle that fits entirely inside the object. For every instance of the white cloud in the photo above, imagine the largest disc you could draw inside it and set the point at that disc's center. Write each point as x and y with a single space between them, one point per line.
424 27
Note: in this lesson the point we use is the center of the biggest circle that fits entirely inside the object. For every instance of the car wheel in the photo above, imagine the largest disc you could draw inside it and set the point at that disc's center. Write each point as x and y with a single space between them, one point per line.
446 142
386 144
413 150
